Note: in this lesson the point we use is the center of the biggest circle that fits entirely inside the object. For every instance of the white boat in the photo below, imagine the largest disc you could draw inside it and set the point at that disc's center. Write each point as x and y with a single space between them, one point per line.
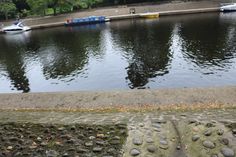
17 27
228 7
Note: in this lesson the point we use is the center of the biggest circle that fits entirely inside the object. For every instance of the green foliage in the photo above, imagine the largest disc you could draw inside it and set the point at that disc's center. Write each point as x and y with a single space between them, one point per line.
37 6
62 5
89 3
21 5
7 7
49 7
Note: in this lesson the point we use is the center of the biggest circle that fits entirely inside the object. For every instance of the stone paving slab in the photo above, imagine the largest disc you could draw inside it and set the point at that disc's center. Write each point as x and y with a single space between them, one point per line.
202 133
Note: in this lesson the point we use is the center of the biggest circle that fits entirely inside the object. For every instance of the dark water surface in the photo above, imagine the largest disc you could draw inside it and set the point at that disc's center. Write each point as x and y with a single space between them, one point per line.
179 51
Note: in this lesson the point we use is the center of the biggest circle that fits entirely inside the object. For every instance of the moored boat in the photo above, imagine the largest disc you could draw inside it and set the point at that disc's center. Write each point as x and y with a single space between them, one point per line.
228 8
86 20
149 15
16 27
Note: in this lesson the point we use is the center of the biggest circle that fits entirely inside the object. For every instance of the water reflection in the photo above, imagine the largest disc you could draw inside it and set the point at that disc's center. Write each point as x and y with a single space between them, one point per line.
122 55
146 48
70 51
210 42
14 62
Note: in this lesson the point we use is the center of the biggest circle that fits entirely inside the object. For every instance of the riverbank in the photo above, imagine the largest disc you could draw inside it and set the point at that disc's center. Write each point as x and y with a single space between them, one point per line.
186 98
123 12
127 134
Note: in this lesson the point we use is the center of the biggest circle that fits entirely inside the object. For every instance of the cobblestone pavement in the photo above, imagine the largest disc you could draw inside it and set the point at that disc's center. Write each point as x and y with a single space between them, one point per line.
208 133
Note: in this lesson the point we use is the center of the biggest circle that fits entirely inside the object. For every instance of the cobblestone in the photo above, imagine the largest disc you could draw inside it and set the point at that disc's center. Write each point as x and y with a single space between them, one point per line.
124 134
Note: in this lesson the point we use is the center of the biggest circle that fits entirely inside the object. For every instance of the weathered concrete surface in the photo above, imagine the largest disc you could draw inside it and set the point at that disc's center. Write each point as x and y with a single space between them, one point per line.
162 98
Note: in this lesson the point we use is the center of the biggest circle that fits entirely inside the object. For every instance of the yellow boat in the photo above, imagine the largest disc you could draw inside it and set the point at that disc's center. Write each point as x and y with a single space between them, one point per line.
150 15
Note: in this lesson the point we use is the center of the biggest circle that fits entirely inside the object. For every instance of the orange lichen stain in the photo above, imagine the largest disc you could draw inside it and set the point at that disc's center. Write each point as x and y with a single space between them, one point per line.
133 108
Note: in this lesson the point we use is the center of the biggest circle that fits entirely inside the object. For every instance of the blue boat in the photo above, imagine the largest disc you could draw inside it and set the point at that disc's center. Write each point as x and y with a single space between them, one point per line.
86 20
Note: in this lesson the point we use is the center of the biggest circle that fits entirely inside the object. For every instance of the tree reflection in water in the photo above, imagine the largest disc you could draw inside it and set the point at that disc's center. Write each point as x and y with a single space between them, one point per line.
126 54
146 48
206 43
14 62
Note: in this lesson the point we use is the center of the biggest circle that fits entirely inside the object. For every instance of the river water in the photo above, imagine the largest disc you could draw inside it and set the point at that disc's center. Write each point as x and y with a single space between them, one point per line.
179 51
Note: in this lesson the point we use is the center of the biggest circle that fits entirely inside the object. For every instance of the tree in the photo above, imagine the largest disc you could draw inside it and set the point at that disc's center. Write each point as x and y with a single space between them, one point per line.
89 3
21 5
61 4
7 7
38 6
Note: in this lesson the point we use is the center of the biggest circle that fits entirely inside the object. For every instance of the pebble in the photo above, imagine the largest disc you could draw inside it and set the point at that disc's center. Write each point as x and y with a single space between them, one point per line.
156 125
100 135
71 141
234 131
122 126
135 152
149 133
65 155
81 150
157 129
17 154
151 148
178 147
97 149
9 148
209 144
73 128
52 153
111 150
195 129
13 139
220 132
164 147
224 141
43 143
209 125
116 138
163 142
71 149
91 137
39 139
149 140
208 133
141 125
123 132
195 138
46 130
115 142
137 141
61 129
88 144
227 152
101 143
191 121
161 121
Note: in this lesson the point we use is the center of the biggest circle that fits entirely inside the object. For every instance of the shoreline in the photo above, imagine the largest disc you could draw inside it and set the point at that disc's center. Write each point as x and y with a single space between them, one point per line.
123 100
135 16
123 12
